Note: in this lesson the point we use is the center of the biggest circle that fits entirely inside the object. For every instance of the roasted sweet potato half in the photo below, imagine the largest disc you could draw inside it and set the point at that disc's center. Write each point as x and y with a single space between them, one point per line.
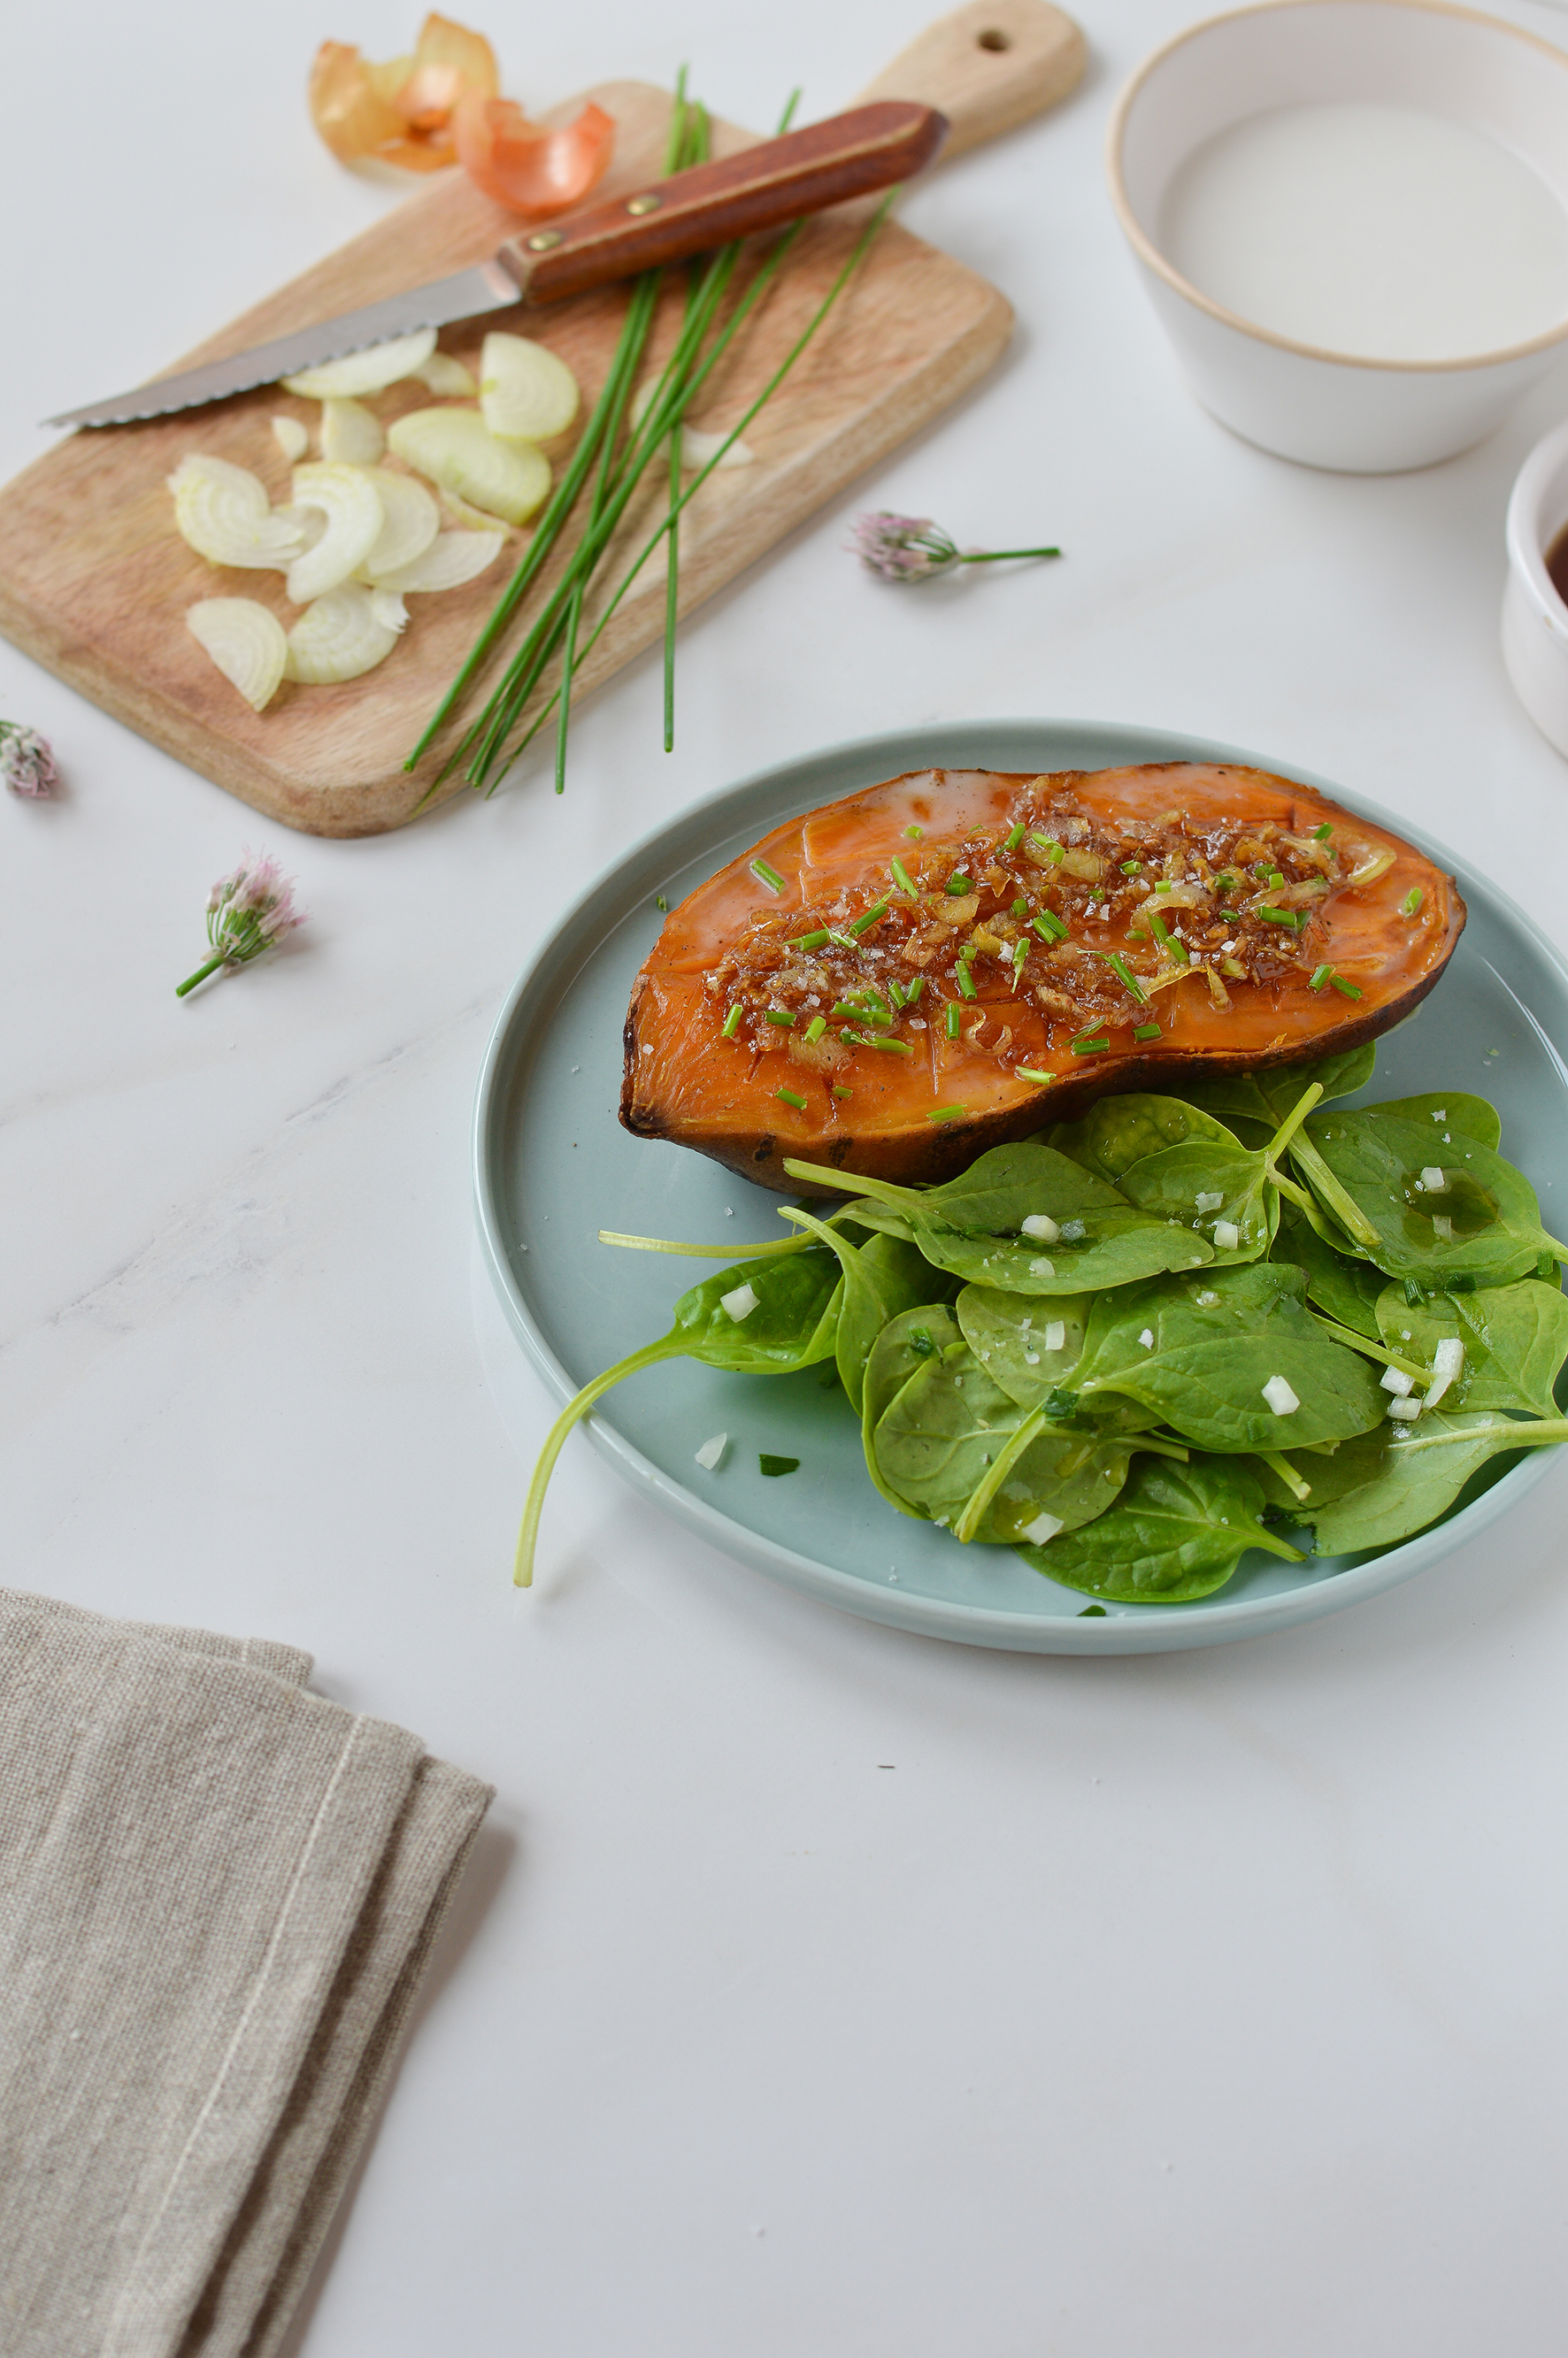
958 957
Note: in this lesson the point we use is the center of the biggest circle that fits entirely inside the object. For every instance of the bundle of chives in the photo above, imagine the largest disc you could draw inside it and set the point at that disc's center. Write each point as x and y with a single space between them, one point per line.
491 743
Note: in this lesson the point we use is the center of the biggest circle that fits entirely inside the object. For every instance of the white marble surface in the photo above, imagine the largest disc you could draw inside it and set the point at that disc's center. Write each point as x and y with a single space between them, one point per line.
1205 2006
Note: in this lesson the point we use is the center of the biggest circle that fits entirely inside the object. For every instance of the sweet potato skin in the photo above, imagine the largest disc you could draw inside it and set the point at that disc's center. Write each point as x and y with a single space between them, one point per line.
686 1083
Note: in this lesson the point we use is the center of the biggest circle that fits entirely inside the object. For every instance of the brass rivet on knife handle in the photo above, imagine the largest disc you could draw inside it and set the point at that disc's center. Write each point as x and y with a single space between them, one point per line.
760 188
990 67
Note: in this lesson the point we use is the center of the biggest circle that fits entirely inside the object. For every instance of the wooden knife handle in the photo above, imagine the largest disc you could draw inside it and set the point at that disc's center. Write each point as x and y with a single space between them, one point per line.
990 67
692 211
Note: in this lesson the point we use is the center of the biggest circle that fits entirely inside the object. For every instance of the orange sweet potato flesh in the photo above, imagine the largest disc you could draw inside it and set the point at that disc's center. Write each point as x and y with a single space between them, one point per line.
1027 877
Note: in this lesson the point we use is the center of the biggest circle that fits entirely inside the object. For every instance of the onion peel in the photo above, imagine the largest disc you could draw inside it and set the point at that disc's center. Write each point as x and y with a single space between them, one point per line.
527 168
400 113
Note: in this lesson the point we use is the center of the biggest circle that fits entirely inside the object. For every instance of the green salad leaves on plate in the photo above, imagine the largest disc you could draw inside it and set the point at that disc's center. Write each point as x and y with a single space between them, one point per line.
1144 1344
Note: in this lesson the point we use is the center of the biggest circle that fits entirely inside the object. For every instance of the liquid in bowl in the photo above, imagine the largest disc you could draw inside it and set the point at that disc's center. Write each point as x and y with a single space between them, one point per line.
1372 231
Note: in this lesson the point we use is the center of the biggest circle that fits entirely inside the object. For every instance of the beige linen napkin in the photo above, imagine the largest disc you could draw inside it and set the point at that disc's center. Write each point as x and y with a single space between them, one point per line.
218 1895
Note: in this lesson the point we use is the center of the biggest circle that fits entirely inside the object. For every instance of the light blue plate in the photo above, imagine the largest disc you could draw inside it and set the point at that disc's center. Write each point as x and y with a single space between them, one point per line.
552 1166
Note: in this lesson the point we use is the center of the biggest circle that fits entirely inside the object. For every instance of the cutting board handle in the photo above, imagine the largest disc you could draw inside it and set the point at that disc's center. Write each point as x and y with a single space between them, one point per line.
989 67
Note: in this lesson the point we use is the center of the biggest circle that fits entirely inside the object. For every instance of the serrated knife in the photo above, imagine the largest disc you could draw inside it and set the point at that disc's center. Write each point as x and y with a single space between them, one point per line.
688 212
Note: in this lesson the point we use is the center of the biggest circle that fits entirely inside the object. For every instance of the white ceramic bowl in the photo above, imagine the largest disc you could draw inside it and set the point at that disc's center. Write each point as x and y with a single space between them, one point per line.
1535 620
1363 416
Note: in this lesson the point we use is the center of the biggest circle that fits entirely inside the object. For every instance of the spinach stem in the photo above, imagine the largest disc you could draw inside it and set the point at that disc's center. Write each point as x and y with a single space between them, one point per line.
1291 1123
707 1252
1287 1474
1370 1350
1344 1206
668 1346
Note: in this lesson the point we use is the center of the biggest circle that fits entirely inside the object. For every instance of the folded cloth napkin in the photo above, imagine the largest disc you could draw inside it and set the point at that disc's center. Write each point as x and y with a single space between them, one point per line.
218 1895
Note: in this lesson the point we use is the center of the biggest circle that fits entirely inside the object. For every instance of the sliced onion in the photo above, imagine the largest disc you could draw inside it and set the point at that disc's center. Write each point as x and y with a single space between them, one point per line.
354 522
338 636
523 167
411 522
471 519
525 391
291 437
308 523
456 448
245 641
697 446
388 608
350 434
366 372
445 374
450 561
223 511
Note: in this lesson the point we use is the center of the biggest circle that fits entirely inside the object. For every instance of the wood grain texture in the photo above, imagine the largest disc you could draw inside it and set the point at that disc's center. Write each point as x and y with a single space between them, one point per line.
94 581
990 66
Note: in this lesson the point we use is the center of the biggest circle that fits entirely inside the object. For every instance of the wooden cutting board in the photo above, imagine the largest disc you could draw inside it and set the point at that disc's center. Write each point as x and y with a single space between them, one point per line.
94 581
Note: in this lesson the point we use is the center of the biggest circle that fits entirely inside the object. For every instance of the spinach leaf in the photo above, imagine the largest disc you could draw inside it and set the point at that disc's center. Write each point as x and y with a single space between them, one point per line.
1176 1532
1213 1344
1365 1168
1116 1132
973 1226
1473 1119
1263 1099
881 1277
1514 1338
1382 1487
792 1323
1069 1475
1006 1332
935 1441
1346 1287
953 1448
905 1345
1171 1181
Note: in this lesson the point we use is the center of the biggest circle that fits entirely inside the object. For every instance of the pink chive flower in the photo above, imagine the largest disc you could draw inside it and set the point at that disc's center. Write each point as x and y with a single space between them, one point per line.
247 912
27 760
913 548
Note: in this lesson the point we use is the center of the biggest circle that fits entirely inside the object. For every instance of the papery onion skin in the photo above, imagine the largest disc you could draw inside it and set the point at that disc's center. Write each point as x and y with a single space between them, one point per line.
528 169
338 637
245 640
400 113
455 448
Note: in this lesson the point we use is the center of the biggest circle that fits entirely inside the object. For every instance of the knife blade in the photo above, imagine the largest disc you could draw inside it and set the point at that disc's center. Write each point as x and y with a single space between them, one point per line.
776 181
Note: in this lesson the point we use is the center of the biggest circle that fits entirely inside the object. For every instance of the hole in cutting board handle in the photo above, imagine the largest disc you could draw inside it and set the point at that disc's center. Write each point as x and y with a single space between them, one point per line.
994 39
